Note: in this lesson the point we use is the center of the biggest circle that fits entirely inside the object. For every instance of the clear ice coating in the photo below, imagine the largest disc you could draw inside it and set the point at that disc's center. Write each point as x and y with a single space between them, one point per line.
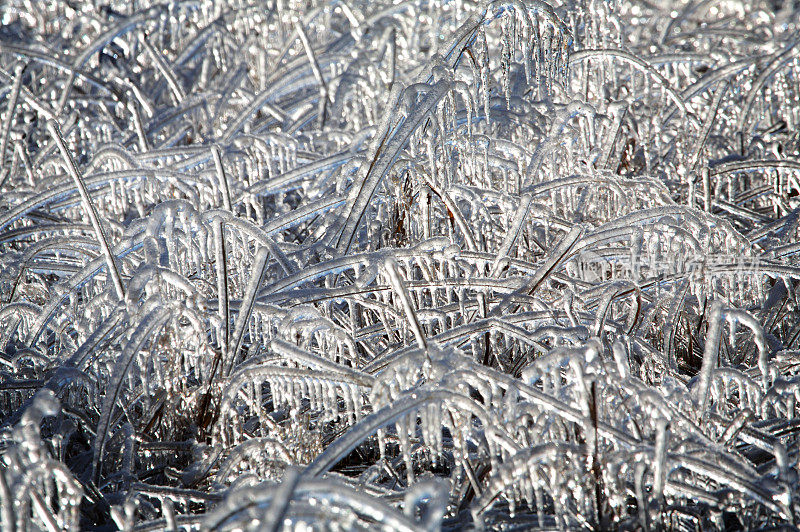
381 265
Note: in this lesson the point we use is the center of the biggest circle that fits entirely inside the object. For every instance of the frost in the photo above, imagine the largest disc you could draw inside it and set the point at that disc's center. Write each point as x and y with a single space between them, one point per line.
399 266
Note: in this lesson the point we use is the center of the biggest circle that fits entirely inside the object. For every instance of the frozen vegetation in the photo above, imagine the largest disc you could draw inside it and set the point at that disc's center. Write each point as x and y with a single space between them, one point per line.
399 265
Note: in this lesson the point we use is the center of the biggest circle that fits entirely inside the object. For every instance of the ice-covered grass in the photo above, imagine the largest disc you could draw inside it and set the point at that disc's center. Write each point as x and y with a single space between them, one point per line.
415 265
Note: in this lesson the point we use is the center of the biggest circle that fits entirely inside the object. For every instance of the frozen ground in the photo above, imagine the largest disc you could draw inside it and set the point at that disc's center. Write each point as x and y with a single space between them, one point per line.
409 265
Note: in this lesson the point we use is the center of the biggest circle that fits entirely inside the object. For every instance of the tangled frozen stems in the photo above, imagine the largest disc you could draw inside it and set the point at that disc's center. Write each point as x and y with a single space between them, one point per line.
414 266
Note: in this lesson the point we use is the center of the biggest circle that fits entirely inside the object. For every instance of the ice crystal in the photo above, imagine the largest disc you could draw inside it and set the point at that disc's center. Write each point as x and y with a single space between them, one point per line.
421 265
